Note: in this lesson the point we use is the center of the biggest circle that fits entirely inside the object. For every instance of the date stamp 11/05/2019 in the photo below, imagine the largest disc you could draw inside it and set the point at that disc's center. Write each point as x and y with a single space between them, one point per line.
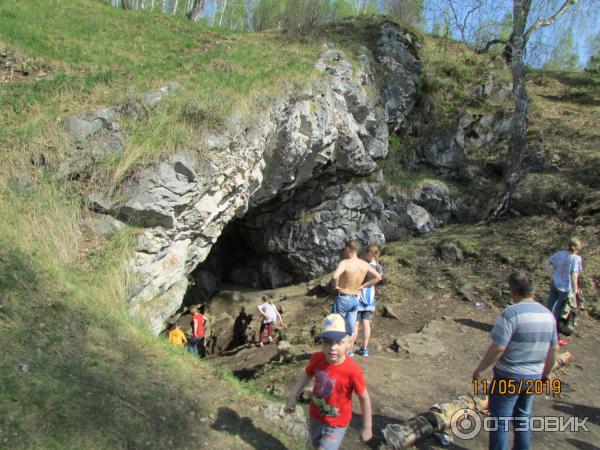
513 387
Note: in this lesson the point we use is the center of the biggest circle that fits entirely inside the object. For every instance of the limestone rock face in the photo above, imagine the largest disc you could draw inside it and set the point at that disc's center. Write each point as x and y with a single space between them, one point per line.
289 179
96 135
419 211
303 237
471 133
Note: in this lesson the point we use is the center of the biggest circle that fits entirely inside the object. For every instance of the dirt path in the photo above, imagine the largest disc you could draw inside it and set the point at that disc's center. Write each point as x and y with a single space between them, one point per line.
424 291
402 385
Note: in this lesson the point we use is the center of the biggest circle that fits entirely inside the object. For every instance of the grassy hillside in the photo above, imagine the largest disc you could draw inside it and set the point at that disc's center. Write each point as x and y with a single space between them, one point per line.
75 371
84 54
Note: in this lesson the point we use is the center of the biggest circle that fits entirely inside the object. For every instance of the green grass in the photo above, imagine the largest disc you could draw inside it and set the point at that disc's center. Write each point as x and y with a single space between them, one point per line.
98 56
75 370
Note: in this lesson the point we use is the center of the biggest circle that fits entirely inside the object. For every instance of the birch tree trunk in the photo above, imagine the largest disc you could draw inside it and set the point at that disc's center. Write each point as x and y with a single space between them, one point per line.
196 10
175 7
222 12
518 141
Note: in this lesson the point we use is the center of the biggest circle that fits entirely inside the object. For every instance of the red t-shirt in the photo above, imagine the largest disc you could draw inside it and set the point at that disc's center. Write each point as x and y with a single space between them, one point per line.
332 394
199 319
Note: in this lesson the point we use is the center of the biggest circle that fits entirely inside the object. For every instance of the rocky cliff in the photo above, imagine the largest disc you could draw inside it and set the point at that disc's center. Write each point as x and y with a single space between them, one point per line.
296 184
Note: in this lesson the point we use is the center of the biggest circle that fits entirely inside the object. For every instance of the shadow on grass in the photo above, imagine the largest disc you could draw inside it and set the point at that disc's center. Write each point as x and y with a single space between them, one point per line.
75 378
229 421
580 98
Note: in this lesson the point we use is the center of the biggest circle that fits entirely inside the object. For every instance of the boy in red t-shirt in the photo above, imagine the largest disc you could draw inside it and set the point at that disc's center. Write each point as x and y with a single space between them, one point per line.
196 342
336 377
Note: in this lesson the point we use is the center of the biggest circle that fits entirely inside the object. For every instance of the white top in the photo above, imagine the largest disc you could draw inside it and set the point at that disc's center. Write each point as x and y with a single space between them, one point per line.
270 311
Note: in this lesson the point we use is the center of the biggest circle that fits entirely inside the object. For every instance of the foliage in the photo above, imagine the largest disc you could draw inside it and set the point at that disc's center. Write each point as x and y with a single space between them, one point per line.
593 64
407 11
303 17
266 15
563 56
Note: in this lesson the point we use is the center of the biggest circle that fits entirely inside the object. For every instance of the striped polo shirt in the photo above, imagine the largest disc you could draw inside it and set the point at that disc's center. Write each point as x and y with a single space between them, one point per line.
527 330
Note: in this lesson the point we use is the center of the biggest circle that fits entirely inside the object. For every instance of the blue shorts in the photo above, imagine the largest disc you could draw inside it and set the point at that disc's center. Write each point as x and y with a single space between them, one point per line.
365 315
324 436
347 307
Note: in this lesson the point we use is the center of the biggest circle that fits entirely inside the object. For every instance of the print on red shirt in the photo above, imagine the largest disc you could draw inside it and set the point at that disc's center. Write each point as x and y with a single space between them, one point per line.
332 393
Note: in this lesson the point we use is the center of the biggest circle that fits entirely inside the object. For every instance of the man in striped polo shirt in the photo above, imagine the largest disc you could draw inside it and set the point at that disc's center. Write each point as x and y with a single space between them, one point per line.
524 347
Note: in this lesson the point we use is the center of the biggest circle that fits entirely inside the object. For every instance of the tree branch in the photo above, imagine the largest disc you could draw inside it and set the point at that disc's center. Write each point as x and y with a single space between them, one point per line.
489 44
550 20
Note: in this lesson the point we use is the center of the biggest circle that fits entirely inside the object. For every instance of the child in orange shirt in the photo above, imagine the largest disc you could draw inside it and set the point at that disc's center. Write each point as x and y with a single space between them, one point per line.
176 335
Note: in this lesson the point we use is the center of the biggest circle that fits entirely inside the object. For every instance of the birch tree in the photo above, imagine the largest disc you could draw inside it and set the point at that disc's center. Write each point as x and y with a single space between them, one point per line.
518 141
196 11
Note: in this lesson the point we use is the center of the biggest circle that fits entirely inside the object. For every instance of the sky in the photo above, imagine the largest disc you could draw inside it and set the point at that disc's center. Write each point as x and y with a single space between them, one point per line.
583 20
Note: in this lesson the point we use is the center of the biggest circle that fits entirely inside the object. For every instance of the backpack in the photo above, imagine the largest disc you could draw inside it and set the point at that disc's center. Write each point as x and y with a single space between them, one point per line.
567 322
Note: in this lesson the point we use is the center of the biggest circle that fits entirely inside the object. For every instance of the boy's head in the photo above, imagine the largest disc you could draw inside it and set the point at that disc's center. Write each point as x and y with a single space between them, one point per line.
267 299
352 247
193 310
335 339
373 252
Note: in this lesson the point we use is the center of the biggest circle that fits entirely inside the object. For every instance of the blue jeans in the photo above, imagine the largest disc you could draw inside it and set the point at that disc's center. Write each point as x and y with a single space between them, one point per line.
556 301
325 437
503 407
347 307
196 346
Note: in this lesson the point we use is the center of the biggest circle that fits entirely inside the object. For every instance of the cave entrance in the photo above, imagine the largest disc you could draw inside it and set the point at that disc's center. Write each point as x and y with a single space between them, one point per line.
234 263
229 284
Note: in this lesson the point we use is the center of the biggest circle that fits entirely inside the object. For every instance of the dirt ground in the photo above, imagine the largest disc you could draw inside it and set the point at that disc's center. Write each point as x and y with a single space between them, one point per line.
402 385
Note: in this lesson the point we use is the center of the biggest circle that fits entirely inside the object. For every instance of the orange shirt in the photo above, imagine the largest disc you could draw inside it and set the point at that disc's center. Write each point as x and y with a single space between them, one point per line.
177 337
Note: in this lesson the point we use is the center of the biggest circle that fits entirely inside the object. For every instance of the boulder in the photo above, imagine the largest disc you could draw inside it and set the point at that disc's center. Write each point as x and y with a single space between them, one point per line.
450 252
293 424
101 224
420 344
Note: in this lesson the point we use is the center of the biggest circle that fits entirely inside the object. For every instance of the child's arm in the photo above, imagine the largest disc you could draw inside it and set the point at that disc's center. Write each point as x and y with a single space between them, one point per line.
290 406
279 317
365 409
262 313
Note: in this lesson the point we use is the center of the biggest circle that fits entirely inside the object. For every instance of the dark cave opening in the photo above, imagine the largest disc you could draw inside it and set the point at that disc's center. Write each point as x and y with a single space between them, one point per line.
233 262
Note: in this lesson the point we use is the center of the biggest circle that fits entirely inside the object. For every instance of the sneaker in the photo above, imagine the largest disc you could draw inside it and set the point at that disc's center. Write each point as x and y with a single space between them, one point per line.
562 342
270 339
260 344
362 352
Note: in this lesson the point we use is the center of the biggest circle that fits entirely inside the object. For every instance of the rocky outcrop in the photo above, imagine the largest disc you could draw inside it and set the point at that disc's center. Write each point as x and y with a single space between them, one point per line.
293 170
427 206
303 237
96 135
471 133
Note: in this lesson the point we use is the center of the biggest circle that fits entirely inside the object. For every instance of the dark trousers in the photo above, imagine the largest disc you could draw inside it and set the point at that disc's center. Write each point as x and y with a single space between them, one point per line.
556 302
196 346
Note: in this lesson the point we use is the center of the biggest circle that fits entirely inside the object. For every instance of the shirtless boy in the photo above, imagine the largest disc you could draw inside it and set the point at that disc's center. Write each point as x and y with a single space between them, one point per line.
347 280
